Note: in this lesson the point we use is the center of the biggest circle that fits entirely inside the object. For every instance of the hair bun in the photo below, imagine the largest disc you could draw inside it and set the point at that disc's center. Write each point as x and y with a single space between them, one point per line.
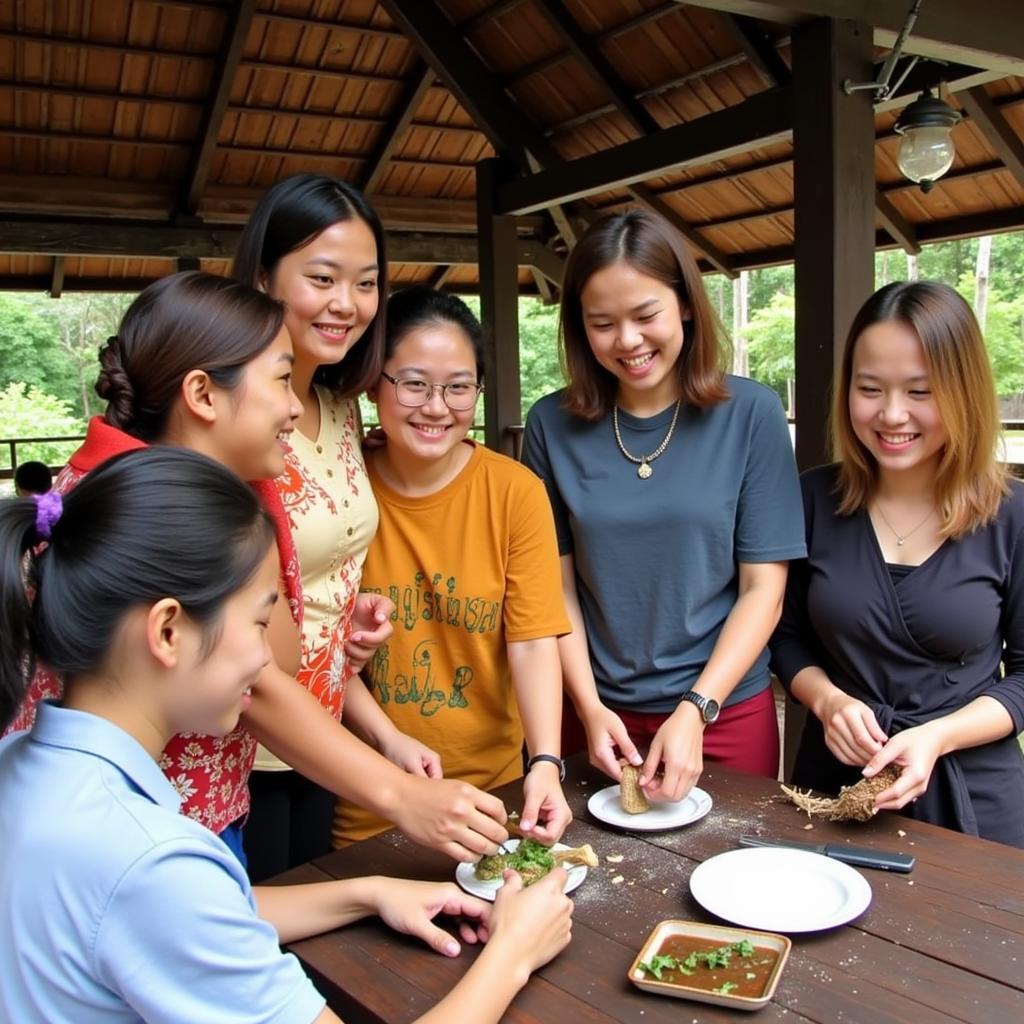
115 386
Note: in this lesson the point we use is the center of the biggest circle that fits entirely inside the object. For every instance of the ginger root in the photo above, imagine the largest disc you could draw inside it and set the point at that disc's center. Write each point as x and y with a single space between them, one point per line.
854 803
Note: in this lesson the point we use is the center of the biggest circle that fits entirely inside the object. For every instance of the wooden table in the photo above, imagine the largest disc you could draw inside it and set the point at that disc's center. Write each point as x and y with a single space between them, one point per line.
945 943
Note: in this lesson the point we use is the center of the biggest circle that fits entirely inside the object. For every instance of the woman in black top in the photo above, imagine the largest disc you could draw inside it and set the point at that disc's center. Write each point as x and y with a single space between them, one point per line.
903 631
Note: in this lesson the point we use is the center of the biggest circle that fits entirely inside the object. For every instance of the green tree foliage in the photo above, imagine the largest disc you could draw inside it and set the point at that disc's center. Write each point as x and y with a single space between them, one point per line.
770 343
54 343
539 370
29 349
28 411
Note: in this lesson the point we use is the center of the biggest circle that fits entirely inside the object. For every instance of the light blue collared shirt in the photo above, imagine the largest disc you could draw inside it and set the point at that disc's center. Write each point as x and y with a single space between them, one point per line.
113 906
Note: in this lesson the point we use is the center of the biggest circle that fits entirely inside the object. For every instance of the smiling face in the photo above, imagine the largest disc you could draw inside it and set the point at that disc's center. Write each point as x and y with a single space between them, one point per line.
256 418
438 353
329 289
892 409
634 325
213 688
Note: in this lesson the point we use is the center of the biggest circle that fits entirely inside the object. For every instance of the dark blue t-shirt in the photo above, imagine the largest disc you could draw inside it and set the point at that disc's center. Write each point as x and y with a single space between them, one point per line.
656 559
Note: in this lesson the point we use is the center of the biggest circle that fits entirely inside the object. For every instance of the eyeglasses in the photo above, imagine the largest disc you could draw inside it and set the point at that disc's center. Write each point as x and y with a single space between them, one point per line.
459 396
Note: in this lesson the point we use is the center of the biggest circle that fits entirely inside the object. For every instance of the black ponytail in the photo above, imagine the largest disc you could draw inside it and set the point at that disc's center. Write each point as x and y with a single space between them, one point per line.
17 536
153 523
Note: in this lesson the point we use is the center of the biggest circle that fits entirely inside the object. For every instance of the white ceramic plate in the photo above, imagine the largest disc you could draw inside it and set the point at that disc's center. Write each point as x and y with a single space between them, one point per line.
606 806
465 875
780 890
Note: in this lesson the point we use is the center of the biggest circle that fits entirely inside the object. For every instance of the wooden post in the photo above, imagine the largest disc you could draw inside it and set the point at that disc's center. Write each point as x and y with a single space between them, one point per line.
499 307
834 192
834 188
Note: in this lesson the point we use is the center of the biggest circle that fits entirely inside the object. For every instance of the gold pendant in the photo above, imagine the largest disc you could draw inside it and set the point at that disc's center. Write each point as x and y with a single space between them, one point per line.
644 471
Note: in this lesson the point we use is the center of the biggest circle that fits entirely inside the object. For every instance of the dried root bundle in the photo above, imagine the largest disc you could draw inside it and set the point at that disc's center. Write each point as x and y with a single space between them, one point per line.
854 803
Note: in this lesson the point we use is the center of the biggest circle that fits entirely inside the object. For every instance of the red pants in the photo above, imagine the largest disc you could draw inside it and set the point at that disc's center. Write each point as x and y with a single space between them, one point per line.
746 735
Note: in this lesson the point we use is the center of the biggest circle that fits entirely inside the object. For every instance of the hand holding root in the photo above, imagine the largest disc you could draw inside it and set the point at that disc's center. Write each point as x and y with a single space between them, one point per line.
854 803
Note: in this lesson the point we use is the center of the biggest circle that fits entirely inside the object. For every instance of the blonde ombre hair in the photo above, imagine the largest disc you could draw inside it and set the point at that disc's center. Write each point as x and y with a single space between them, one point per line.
970 484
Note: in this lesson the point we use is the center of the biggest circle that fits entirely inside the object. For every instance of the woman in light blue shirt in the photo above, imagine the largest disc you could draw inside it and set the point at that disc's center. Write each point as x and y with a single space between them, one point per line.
151 588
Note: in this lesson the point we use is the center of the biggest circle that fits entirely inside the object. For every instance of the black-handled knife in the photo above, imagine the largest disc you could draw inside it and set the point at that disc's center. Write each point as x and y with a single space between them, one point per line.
858 856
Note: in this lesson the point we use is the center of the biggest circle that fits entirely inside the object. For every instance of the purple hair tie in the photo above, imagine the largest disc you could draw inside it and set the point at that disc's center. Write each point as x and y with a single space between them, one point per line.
49 507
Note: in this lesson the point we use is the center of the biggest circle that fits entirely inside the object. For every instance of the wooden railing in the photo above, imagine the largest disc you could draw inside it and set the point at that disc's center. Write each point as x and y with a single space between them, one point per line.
477 430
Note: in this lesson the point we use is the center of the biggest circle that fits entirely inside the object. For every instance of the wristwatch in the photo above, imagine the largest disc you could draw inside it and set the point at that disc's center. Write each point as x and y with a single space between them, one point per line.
548 757
707 706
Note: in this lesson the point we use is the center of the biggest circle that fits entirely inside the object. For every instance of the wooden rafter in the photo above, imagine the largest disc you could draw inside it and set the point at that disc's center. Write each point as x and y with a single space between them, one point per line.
759 50
896 224
236 31
54 236
439 276
590 56
74 43
998 132
989 37
510 132
621 29
421 77
758 121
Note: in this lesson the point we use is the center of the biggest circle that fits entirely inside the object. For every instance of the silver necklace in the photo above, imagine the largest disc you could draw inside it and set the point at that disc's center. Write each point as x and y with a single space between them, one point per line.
644 461
901 539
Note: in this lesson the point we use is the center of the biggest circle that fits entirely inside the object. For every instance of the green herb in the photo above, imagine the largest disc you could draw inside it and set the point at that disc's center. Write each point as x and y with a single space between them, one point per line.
726 987
720 957
659 963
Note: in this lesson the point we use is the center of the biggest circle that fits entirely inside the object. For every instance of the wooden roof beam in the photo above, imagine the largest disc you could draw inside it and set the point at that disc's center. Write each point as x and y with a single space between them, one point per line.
896 224
998 132
439 276
758 121
547 263
985 33
421 78
53 237
236 31
590 56
623 27
759 50
471 82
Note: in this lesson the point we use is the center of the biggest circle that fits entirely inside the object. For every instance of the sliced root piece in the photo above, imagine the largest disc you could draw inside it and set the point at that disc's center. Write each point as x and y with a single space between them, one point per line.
583 855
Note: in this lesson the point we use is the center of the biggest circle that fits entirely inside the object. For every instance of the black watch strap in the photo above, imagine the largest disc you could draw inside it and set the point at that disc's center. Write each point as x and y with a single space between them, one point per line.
548 757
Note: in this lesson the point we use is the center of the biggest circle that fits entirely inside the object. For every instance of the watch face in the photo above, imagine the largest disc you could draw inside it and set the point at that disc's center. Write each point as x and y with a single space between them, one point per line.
711 710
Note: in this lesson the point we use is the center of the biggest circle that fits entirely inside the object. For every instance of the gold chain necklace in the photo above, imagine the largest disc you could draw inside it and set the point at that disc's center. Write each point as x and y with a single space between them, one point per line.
900 539
644 461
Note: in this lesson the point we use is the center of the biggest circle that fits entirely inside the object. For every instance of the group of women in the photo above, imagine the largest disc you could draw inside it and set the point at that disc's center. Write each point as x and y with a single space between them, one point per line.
394 626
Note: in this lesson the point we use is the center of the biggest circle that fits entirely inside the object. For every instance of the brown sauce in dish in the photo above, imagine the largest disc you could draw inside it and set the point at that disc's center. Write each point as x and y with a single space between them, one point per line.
737 975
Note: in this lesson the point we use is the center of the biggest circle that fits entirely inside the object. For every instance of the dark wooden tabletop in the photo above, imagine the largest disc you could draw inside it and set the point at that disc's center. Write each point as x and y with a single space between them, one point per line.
944 943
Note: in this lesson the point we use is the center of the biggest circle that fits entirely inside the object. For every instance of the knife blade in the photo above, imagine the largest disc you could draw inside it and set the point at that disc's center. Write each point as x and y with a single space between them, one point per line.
858 856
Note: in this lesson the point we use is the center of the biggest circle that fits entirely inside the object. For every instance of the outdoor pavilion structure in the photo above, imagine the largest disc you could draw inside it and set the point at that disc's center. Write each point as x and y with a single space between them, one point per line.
136 135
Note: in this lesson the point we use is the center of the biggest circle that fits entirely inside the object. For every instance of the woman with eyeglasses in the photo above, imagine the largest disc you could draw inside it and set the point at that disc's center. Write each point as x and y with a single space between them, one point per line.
466 551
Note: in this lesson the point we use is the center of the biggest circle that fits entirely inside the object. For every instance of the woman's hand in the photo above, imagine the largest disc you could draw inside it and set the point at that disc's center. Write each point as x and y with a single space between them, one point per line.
606 738
679 746
370 627
410 908
461 821
532 925
915 750
412 756
546 815
852 732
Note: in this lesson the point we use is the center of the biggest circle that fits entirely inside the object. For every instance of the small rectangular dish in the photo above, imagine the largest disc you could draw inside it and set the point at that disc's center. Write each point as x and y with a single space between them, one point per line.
733 967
